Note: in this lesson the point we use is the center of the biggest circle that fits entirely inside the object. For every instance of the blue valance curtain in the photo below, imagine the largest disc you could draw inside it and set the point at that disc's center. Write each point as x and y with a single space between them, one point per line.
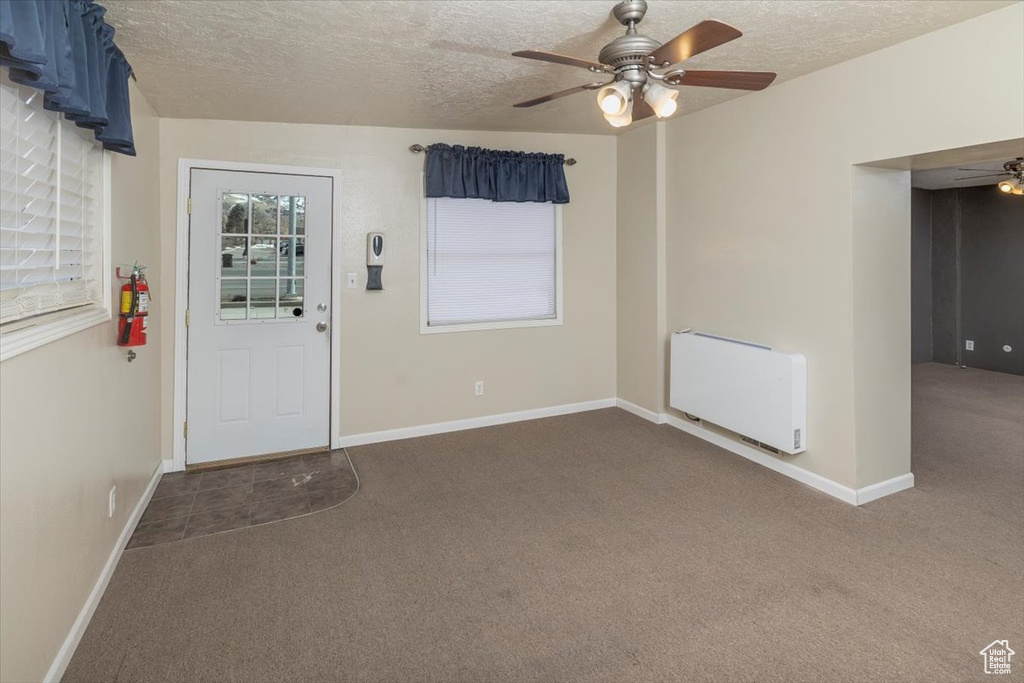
67 50
477 173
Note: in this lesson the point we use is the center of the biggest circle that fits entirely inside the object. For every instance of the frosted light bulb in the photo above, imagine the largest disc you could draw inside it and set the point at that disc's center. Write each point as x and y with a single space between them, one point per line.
614 98
611 104
623 119
661 99
666 108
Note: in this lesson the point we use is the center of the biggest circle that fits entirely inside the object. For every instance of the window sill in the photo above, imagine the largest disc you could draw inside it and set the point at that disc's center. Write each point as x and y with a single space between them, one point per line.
50 328
496 325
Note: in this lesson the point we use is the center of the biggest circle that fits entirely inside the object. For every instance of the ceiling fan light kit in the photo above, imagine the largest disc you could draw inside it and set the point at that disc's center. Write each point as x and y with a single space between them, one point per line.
614 98
661 99
637 90
623 119
1012 185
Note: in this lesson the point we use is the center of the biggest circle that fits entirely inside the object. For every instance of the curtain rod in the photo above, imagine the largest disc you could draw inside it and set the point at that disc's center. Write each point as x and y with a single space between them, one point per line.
416 149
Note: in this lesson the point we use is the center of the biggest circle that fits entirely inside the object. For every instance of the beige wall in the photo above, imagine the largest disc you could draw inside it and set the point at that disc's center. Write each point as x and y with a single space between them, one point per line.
881 321
637 256
392 376
750 220
77 419
764 242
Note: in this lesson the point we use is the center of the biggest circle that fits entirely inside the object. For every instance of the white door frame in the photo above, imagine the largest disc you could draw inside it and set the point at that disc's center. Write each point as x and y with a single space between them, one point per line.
185 167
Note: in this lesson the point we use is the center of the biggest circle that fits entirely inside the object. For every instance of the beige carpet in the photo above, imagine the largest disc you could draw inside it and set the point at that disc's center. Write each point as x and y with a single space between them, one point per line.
599 547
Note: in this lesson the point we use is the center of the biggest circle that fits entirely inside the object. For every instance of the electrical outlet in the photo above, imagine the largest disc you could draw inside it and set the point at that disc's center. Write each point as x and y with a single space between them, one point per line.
112 502
970 345
353 281
479 388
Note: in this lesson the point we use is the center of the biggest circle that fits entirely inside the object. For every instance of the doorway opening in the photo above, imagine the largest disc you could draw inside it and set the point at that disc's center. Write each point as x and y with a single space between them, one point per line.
967 330
947 247
902 433
967 266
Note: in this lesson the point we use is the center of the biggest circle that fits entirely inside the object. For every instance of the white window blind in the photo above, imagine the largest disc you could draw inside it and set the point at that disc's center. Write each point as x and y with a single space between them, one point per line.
51 206
490 261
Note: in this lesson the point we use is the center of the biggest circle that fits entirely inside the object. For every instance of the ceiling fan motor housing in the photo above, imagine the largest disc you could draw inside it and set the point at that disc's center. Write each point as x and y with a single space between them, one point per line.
628 50
628 54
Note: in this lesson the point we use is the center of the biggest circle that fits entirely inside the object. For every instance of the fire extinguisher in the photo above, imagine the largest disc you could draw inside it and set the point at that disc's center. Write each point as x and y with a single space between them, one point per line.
133 318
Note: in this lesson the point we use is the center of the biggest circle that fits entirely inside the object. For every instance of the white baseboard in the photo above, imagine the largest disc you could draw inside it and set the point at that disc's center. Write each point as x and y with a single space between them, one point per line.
646 414
470 423
832 488
67 650
846 494
866 494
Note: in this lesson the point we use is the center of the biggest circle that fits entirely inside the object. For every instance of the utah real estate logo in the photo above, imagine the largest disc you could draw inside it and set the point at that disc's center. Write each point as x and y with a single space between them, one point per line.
997 657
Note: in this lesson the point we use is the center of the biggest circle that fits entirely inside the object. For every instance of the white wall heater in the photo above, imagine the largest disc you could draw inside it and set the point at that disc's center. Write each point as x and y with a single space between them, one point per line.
746 388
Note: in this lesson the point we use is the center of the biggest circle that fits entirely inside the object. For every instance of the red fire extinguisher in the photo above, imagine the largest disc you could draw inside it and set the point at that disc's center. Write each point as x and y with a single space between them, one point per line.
133 318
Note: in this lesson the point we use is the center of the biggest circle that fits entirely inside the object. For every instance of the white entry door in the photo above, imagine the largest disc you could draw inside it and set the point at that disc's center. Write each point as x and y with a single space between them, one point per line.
259 298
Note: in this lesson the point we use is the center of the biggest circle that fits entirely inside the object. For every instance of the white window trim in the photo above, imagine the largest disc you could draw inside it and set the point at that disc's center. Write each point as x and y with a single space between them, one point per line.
425 328
25 335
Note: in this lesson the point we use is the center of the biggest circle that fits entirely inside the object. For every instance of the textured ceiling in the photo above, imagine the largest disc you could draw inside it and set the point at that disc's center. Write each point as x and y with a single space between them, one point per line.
965 175
421 64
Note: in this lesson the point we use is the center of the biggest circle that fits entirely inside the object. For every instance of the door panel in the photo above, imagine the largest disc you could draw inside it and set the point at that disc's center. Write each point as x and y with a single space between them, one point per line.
288 392
234 368
259 272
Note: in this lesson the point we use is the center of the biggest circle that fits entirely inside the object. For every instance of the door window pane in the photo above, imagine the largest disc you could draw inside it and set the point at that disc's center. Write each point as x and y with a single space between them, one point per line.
233 257
262 299
235 213
293 256
232 298
263 257
292 301
264 214
293 206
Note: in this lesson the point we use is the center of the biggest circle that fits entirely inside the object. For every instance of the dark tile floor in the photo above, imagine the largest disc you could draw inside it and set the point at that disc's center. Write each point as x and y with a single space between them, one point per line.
186 505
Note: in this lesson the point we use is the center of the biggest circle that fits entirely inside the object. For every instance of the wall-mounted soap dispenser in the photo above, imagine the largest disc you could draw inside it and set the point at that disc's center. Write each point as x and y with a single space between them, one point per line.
374 259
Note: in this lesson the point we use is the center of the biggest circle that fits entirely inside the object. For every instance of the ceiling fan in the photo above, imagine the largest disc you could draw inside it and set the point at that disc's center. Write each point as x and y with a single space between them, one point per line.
637 90
1014 169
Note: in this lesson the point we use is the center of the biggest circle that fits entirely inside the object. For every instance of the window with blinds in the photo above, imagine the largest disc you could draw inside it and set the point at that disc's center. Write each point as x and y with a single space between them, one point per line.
491 262
51 209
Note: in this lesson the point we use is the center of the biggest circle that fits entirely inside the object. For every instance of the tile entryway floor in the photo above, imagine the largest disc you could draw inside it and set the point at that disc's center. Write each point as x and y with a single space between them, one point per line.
186 505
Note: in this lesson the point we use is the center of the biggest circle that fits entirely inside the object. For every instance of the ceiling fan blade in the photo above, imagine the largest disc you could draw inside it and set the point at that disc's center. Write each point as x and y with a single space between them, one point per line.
700 38
555 95
734 80
556 58
641 110
987 175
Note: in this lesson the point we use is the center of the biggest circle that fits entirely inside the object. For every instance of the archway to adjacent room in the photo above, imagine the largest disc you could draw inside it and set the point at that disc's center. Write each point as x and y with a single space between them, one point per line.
938 271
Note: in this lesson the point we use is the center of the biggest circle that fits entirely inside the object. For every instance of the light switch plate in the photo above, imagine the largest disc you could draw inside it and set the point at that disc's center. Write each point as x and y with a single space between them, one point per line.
970 345
353 280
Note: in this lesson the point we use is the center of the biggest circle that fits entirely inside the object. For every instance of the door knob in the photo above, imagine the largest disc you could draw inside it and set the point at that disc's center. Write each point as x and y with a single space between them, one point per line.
321 326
